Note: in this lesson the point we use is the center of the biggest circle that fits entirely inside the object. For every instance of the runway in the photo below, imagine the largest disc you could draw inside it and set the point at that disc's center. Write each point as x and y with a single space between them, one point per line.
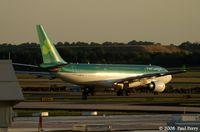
118 123
106 107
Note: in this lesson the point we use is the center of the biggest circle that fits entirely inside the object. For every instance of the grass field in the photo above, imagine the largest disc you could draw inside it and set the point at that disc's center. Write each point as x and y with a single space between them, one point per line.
189 79
28 113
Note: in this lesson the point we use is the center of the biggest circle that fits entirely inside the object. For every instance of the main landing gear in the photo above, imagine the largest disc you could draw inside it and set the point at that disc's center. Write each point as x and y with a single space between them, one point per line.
124 91
86 91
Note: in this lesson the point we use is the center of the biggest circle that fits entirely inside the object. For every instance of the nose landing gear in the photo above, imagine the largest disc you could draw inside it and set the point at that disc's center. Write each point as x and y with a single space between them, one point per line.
86 91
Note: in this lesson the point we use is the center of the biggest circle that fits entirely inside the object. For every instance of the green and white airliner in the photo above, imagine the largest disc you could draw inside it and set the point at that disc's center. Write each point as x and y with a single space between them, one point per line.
90 76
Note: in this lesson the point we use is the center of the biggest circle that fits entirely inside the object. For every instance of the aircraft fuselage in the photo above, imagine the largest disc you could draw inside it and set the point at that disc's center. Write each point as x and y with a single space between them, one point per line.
107 74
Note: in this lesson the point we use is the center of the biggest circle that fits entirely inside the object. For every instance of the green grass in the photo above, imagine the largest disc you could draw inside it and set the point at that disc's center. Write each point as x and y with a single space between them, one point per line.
118 100
188 74
28 113
187 77
128 100
185 80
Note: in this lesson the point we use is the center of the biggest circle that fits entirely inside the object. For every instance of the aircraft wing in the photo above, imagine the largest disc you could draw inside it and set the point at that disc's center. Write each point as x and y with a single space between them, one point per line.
148 76
33 73
38 74
34 70
26 65
42 66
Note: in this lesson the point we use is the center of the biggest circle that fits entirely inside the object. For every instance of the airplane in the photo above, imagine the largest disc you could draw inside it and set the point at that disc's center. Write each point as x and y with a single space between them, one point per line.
122 77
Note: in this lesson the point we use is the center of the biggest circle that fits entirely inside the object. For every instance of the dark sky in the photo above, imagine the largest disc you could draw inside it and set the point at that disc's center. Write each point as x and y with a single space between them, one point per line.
164 21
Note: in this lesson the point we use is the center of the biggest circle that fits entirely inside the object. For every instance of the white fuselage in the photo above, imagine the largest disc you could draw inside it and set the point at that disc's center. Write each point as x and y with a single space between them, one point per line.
106 79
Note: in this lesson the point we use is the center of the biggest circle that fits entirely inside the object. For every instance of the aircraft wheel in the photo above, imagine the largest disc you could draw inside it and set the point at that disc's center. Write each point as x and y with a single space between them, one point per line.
92 91
120 92
126 92
84 94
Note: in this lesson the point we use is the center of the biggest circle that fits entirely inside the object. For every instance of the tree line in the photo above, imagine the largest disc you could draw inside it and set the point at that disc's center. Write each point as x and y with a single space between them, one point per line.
105 53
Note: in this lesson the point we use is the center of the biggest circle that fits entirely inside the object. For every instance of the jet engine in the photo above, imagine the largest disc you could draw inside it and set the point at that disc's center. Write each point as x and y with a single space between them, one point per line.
157 86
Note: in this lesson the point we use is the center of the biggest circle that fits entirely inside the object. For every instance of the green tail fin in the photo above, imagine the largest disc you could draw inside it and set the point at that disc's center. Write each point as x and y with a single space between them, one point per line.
49 53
